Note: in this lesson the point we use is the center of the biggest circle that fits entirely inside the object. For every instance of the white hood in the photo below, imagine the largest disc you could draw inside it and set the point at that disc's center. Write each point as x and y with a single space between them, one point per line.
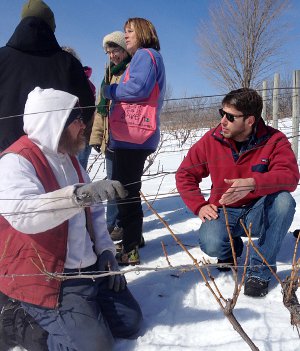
45 115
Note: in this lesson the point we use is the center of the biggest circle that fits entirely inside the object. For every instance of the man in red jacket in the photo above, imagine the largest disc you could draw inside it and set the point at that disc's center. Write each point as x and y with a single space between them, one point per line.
253 170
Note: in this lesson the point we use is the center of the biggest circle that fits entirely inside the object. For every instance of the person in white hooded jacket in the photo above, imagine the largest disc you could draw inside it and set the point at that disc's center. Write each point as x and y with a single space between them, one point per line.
52 222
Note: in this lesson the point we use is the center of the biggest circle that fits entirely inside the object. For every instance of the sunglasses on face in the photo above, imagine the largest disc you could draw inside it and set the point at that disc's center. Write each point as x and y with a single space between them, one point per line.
231 118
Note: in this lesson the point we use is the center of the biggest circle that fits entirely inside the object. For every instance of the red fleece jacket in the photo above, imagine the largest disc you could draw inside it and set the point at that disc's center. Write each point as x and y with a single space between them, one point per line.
270 161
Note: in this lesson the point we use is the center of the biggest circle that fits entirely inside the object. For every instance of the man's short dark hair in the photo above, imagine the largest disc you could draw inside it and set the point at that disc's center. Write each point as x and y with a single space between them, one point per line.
245 100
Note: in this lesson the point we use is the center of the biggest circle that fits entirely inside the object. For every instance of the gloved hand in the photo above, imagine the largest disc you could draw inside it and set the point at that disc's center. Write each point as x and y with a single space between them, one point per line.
97 148
107 262
95 192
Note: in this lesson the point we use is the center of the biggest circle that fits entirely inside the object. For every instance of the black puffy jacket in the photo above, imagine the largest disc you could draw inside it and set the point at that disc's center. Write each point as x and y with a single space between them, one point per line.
32 57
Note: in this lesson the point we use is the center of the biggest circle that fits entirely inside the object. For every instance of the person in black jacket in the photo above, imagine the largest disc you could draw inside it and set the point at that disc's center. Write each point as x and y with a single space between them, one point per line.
32 57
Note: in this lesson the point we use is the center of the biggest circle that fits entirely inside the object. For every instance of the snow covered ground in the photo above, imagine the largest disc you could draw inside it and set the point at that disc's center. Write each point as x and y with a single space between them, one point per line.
179 311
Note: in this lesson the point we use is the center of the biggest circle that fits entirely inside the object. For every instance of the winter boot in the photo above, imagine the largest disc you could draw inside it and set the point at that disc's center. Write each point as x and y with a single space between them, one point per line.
18 328
116 234
256 287
128 258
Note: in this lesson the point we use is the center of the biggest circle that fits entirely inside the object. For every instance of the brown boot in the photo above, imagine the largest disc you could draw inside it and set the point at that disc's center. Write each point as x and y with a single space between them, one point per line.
116 234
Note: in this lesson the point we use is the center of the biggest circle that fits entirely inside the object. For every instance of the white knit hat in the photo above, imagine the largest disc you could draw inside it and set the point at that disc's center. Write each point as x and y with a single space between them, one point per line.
115 37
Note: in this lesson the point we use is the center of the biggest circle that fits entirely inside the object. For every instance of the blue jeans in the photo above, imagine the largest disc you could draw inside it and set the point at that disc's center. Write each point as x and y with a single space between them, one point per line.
112 208
84 155
270 216
89 316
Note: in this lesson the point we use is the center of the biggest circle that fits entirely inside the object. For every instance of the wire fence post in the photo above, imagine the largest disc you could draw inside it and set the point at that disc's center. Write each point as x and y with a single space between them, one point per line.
295 111
264 97
275 100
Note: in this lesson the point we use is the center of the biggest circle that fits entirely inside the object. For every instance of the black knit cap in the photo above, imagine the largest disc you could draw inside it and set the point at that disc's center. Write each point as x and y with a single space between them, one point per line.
37 8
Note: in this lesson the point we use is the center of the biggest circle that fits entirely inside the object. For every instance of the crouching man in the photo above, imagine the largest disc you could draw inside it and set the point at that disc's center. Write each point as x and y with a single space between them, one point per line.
52 221
253 170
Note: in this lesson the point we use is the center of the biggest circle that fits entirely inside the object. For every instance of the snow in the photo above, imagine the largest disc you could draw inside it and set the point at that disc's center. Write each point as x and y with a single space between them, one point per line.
179 311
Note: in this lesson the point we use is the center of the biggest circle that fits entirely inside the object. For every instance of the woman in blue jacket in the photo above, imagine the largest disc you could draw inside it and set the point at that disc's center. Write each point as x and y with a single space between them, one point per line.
143 83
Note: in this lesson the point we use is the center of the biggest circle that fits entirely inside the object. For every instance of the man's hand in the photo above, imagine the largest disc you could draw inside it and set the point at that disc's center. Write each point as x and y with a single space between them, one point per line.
240 188
93 193
107 262
208 212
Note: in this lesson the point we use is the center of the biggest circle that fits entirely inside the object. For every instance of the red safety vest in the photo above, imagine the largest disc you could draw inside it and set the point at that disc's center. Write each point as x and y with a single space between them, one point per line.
24 257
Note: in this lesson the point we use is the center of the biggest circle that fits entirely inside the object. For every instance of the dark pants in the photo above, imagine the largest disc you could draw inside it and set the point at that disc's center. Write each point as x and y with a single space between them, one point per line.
89 316
128 169
112 212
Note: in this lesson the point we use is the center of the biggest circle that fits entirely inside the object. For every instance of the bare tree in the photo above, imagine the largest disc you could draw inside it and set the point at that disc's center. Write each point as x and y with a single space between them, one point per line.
240 42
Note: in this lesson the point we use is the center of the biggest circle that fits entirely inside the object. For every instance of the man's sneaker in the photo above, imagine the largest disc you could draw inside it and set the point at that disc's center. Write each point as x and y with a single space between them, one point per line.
256 287
227 262
119 245
128 258
116 234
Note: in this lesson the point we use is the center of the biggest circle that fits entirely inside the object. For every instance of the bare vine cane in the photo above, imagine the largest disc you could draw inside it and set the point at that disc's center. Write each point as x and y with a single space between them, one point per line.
295 270
166 254
212 279
259 254
238 287
230 238
289 286
227 310
88 275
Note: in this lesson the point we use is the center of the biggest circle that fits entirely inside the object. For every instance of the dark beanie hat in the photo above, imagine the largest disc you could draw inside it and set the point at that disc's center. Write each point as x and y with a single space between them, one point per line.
37 8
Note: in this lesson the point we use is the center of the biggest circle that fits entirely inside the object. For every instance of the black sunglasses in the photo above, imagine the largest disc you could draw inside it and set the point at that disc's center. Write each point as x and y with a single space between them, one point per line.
231 118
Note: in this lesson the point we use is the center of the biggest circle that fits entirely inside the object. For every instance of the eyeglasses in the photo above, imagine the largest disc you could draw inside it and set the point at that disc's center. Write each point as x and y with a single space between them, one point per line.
79 119
231 118
113 51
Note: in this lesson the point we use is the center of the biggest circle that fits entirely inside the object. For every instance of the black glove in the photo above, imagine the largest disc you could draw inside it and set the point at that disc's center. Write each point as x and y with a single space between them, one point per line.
97 148
108 262
93 193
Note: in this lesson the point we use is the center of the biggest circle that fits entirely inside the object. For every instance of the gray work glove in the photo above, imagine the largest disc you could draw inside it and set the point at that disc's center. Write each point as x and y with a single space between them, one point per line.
107 262
95 192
